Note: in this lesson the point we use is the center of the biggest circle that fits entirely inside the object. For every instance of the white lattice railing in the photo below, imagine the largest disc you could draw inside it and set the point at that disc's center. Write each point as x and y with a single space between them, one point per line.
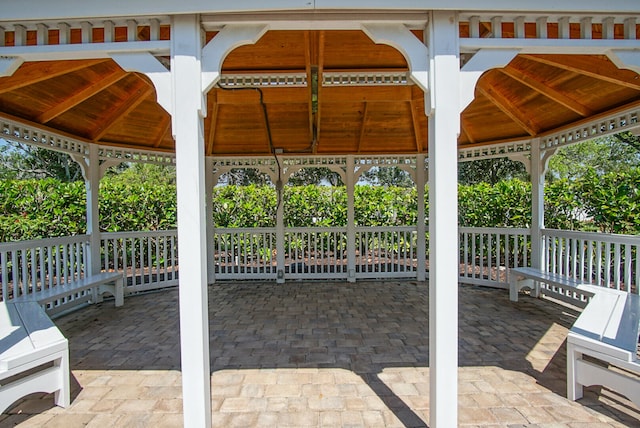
245 253
487 254
314 252
602 259
387 252
30 266
149 260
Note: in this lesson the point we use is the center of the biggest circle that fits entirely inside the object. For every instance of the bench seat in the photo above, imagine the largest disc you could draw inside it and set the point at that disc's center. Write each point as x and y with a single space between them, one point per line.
103 282
532 277
30 342
607 330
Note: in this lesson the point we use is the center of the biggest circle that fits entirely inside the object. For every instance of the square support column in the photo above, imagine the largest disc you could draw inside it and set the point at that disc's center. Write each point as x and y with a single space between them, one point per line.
350 184
421 227
192 224
537 171
444 125
92 185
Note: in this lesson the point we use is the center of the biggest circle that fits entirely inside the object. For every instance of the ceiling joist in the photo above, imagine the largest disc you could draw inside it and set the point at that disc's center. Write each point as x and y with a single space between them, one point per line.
491 92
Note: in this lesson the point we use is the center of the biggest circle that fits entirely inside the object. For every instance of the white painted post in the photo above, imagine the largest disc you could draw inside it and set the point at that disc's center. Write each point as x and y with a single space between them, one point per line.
209 184
421 227
537 170
444 125
92 184
280 259
351 219
192 224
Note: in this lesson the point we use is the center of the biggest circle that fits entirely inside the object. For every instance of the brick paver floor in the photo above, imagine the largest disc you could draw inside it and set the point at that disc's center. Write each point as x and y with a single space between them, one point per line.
322 354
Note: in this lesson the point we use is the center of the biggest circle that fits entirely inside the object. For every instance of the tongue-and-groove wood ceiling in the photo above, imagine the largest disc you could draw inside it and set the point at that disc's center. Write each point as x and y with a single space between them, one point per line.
98 101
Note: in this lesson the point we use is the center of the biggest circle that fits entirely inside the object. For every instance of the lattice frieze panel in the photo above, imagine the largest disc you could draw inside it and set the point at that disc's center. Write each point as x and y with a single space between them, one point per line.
141 156
494 151
365 79
285 80
626 120
19 133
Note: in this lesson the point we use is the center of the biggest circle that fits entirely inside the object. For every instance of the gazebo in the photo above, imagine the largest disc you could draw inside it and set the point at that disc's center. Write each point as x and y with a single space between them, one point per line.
296 84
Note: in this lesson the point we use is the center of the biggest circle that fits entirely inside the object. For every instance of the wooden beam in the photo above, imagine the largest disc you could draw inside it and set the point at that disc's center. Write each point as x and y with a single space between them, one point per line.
415 125
321 46
308 54
363 126
592 66
551 93
212 110
355 94
138 95
489 89
465 128
271 96
80 96
34 72
163 127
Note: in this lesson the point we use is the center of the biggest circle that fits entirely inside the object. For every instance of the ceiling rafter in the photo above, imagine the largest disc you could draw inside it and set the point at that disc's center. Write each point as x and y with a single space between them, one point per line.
587 67
164 126
545 90
415 125
321 45
137 96
490 90
81 96
308 55
31 73
466 130
212 115
363 126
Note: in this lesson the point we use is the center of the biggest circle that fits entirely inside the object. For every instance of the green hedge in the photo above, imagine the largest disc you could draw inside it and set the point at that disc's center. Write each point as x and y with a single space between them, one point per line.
31 209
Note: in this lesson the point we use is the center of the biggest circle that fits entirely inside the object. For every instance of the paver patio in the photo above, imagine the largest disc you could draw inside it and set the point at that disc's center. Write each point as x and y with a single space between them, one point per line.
322 354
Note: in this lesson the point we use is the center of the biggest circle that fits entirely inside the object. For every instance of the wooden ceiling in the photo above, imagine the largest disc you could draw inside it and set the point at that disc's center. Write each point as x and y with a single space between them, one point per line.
97 101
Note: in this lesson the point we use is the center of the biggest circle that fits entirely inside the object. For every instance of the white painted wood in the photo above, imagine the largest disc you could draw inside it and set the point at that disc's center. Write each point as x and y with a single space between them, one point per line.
61 9
444 126
549 46
350 184
626 58
146 63
9 65
414 50
537 170
92 185
483 60
209 184
31 340
421 226
83 51
194 315
231 37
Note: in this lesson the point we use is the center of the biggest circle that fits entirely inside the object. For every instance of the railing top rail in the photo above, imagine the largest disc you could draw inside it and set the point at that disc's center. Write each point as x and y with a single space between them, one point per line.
494 230
256 230
314 229
134 234
593 236
386 228
35 243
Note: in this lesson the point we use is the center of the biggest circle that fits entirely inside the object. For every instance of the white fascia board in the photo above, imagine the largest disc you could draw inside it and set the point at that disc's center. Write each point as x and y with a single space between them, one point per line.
549 46
83 51
545 6
26 10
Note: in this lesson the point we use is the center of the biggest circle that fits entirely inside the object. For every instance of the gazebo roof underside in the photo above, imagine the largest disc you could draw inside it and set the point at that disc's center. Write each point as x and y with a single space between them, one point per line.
96 101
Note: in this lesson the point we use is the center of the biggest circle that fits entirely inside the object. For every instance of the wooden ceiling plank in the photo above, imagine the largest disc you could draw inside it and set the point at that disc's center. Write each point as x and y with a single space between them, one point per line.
164 126
363 125
584 67
464 127
551 93
80 96
415 122
351 94
213 123
137 96
507 107
36 72
321 58
307 59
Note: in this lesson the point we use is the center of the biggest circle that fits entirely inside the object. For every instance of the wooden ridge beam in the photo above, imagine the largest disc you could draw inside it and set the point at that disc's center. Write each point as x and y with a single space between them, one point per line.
137 96
80 96
488 88
548 92
31 73
592 66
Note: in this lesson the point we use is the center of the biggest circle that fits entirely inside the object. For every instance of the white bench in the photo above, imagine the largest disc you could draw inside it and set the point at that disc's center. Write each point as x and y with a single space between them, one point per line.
562 287
31 346
607 330
103 282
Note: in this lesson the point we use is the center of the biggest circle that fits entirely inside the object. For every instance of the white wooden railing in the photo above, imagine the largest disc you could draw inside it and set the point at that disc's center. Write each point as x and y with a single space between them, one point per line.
29 266
487 254
150 259
603 259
